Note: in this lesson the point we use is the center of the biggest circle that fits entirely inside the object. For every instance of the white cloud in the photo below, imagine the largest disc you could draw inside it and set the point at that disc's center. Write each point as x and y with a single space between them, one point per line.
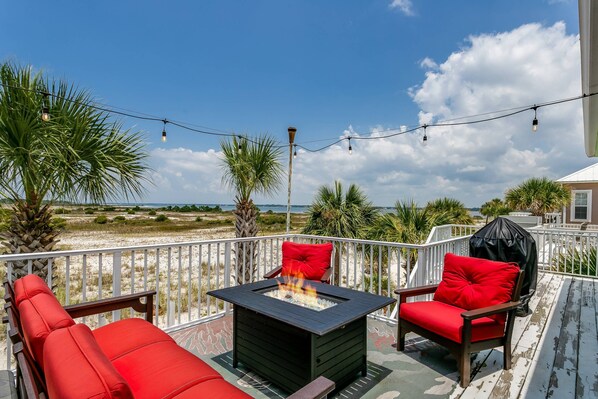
428 63
473 163
405 6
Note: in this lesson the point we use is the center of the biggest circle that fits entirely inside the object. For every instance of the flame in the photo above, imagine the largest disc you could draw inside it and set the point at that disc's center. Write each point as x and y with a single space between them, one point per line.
298 288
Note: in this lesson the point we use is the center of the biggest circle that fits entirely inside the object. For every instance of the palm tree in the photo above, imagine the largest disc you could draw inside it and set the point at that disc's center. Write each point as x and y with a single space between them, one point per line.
78 154
249 167
336 213
453 208
494 208
409 224
538 196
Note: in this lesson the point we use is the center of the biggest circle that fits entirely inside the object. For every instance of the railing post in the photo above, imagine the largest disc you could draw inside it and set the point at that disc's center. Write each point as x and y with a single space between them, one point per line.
116 281
422 261
227 261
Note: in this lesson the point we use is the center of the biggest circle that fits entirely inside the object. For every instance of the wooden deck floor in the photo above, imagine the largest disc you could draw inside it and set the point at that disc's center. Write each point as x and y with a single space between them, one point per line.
555 349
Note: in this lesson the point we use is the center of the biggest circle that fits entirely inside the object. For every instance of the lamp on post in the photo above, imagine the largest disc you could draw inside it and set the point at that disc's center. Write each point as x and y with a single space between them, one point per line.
292 132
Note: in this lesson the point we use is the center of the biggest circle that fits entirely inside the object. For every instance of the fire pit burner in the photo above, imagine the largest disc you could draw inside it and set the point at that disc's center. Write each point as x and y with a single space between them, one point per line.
301 296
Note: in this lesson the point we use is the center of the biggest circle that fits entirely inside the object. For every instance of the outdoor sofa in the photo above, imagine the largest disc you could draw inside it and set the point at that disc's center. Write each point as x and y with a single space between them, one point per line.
129 358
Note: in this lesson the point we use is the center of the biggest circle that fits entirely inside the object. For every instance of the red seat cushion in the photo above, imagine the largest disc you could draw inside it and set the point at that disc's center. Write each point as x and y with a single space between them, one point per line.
446 320
473 283
39 316
308 261
121 337
76 368
162 370
29 286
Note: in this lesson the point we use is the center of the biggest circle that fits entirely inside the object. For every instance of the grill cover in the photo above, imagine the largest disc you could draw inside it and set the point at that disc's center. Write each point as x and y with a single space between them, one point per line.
506 241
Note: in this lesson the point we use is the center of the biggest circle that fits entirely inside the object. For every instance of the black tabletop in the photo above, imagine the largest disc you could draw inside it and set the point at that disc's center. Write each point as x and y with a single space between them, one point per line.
353 304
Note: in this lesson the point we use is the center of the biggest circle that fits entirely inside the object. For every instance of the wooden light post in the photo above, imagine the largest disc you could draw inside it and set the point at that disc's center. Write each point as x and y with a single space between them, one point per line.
292 132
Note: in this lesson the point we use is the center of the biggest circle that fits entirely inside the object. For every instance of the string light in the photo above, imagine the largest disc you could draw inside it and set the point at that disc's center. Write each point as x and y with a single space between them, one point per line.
350 148
164 130
138 115
239 146
425 138
45 108
295 153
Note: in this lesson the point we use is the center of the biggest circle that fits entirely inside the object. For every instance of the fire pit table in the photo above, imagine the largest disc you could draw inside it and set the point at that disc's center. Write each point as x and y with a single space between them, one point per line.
291 343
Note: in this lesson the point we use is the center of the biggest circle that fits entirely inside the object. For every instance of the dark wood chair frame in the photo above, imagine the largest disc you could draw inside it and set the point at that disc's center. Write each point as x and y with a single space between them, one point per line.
30 378
462 351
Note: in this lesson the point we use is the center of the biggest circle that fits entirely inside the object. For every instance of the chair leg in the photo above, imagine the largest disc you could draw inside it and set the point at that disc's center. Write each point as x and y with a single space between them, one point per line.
400 337
507 355
465 368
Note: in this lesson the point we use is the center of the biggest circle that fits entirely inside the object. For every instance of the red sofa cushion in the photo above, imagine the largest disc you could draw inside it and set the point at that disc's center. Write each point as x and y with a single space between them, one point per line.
76 368
40 315
308 261
446 320
162 370
473 283
121 337
29 286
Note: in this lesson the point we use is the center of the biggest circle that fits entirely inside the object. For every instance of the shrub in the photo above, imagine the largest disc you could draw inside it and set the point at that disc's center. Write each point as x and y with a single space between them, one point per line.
161 218
61 211
58 223
89 211
109 209
198 219
131 212
137 208
152 213
119 219
102 219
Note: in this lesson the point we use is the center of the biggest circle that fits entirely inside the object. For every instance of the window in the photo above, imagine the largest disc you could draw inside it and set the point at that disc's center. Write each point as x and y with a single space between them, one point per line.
581 206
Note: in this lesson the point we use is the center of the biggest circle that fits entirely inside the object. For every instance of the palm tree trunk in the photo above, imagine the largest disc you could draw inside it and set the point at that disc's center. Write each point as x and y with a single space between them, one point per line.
30 231
246 252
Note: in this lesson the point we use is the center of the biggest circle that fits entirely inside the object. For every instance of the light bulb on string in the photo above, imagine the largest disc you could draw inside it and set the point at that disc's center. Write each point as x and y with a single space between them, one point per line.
350 148
425 138
535 121
164 131
295 153
239 146
45 108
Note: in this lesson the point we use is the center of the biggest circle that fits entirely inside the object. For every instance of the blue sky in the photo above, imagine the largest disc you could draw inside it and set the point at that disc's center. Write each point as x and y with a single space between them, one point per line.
332 69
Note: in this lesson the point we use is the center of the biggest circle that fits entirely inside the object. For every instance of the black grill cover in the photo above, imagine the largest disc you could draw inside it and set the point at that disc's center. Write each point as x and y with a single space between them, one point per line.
506 241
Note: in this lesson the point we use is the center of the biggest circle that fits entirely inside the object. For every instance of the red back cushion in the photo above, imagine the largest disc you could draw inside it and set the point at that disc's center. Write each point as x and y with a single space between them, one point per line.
76 367
39 316
29 286
473 283
308 261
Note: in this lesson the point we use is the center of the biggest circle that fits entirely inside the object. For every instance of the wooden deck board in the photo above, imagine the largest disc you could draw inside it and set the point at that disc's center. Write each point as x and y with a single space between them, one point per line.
511 381
537 379
564 371
587 362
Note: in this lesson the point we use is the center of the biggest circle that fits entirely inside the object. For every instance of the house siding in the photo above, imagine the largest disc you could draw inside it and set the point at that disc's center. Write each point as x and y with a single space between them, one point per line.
594 204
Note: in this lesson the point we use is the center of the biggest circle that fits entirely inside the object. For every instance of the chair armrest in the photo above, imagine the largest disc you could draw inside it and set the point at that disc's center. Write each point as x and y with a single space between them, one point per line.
119 302
318 388
326 276
273 273
490 310
405 293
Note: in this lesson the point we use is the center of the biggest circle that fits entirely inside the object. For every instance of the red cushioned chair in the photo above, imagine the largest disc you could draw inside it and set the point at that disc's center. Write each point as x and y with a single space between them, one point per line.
307 261
473 309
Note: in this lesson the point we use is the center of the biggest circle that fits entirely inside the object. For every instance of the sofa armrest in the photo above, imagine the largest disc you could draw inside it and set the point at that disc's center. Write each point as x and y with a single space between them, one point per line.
317 389
405 293
490 310
119 302
273 273
326 276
